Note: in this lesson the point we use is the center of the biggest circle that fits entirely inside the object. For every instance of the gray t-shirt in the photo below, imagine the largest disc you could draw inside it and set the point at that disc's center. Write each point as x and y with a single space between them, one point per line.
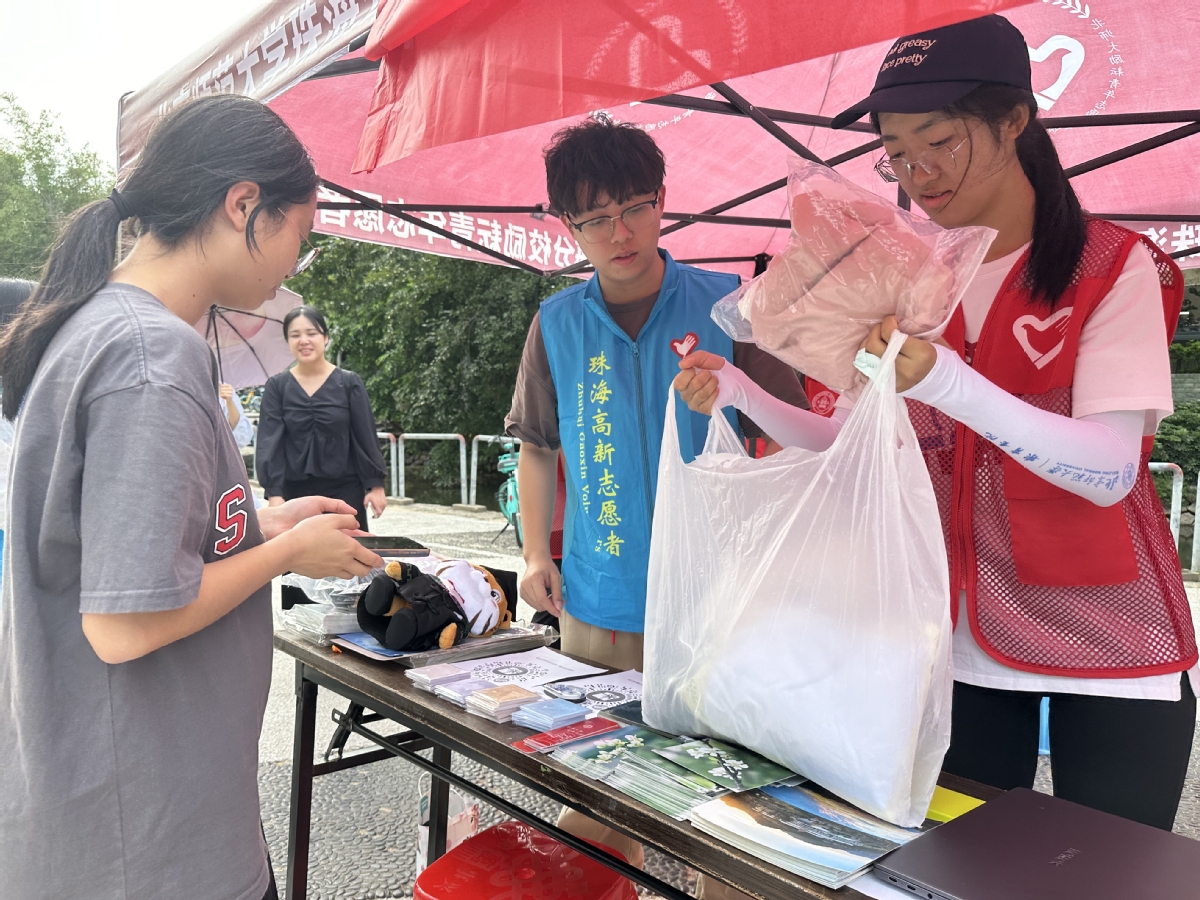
136 780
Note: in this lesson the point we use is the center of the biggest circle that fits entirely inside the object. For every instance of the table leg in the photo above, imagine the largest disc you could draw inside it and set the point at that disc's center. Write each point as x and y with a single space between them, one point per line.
439 806
302 782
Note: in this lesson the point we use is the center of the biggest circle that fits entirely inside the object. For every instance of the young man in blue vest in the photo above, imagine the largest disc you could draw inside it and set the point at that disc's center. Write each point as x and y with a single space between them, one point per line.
594 377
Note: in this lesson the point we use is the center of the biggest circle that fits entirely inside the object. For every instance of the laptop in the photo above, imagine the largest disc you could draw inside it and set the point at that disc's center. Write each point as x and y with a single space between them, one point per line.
1029 846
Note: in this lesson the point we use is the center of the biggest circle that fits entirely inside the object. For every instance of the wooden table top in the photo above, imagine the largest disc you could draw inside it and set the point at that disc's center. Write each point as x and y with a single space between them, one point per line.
394 695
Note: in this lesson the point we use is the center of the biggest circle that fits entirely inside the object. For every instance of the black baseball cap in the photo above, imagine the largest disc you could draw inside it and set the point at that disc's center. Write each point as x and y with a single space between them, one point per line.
927 71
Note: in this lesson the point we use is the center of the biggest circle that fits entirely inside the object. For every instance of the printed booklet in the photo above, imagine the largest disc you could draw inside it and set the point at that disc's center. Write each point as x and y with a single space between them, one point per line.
734 768
803 830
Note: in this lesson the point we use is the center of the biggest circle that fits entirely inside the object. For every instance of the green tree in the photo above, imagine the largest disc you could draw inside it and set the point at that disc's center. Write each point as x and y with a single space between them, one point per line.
436 340
42 181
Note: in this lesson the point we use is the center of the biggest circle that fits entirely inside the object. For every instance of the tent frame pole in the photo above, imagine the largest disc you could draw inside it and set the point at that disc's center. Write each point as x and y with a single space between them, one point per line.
769 125
1160 140
702 104
730 204
737 105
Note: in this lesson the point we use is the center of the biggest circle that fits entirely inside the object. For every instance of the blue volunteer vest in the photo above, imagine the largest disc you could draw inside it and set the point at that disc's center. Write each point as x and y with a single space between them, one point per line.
612 395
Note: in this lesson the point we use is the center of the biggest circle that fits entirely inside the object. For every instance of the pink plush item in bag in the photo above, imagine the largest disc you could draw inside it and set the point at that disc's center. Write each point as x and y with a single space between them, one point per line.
852 259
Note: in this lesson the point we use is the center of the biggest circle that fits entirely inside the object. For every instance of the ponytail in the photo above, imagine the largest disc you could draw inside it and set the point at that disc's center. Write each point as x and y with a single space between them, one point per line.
79 265
1059 224
191 160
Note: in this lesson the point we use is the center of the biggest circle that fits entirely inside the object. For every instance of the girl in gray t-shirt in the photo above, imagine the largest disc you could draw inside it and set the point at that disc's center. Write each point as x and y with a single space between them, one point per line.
135 625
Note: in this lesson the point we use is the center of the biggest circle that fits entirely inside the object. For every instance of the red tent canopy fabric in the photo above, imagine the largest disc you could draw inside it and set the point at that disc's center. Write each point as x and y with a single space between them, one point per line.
492 66
398 22
470 91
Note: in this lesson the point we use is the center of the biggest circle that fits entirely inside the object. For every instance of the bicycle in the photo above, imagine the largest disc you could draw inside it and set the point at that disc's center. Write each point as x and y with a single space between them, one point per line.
507 497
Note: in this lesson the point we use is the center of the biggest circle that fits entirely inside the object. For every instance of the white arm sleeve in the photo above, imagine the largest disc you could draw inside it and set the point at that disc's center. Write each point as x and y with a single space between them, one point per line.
1095 457
787 425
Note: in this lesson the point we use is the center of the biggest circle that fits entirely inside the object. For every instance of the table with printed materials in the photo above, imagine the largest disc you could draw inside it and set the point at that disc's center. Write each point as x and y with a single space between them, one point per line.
380 693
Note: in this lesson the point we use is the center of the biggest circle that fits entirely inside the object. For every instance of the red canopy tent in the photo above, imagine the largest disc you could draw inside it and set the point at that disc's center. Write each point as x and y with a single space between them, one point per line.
428 132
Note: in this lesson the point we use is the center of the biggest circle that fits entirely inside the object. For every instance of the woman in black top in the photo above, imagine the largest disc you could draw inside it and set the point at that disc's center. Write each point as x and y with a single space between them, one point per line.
316 433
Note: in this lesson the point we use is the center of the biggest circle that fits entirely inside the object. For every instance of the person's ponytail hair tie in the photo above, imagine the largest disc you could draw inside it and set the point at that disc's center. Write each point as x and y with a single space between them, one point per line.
121 204
190 161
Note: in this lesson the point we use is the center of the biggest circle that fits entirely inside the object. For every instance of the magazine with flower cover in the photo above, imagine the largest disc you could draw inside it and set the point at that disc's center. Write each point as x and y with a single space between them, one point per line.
733 768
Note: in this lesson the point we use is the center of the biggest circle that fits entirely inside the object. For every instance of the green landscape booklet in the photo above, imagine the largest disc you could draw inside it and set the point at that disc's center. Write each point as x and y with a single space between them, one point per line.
803 830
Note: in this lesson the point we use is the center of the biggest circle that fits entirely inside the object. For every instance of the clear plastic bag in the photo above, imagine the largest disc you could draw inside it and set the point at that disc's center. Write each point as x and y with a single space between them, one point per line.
798 605
851 260
341 592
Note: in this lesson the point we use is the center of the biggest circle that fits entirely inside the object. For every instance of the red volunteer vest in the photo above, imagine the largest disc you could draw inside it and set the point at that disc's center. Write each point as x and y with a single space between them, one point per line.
1055 584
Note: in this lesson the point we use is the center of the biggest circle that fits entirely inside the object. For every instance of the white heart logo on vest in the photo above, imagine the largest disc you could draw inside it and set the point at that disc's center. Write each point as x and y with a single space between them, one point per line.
1035 336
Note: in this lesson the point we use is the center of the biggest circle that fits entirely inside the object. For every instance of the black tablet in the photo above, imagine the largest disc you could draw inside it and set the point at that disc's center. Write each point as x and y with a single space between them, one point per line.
392 546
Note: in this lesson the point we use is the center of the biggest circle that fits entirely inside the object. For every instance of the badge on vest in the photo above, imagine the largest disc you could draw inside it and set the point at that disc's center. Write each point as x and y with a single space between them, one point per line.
686 344
1043 339
822 404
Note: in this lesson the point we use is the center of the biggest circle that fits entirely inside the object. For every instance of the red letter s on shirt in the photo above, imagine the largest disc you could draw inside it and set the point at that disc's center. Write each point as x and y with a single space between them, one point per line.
230 523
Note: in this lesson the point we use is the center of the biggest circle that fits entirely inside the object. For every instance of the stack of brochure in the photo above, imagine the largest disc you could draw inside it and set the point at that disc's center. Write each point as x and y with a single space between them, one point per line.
673 775
499 703
457 692
597 757
427 678
545 715
803 830
321 620
671 789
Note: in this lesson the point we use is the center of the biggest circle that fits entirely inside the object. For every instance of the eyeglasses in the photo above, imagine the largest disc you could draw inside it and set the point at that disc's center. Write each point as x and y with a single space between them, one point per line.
304 261
931 161
602 228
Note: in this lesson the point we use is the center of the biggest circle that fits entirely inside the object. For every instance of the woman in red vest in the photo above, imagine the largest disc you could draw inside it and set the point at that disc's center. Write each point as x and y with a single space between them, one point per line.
1036 418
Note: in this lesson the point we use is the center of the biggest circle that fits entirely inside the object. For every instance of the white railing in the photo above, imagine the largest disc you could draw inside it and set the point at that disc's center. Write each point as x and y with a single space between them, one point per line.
475 442
462 457
1196 531
391 439
1176 496
1177 506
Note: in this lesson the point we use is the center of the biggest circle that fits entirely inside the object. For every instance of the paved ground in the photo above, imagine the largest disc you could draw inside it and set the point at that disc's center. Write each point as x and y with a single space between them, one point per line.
365 821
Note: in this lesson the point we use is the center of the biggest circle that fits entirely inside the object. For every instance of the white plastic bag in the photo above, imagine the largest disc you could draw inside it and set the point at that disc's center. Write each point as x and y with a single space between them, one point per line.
798 605
852 258
462 820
